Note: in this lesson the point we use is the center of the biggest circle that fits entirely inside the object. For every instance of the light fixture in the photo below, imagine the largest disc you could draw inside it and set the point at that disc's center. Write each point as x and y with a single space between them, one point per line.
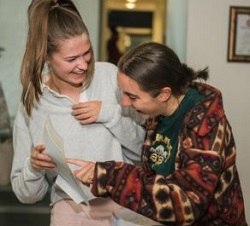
131 1
130 5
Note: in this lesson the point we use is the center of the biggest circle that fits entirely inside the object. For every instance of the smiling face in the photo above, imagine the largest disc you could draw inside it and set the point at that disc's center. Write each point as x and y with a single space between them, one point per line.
142 101
70 63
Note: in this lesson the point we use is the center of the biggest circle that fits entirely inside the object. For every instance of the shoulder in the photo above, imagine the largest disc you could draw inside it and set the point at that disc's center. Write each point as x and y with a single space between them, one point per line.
21 117
104 81
105 72
206 114
105 68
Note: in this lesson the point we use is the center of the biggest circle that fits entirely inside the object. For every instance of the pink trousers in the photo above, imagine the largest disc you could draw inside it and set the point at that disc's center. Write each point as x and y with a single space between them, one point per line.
100 212
68 213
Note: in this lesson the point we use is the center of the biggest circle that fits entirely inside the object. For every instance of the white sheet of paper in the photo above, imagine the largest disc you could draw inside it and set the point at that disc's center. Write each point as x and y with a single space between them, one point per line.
65 179
76 194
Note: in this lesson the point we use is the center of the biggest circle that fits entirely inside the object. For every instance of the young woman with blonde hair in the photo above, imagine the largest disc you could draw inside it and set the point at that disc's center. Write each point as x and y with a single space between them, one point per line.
81 99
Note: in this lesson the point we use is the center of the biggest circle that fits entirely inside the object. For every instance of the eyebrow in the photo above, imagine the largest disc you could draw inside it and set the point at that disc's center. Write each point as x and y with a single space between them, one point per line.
74 56
131 94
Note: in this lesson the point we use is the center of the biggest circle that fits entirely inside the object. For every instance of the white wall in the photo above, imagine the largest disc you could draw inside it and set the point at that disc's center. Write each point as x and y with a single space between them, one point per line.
207 46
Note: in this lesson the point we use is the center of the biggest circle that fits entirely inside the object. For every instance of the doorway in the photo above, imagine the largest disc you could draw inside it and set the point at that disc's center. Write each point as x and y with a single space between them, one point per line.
123 28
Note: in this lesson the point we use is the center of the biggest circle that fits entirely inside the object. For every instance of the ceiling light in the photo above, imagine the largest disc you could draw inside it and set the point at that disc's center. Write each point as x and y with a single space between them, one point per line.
130 5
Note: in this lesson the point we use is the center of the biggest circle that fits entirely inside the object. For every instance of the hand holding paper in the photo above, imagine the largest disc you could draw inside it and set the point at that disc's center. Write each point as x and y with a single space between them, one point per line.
41 160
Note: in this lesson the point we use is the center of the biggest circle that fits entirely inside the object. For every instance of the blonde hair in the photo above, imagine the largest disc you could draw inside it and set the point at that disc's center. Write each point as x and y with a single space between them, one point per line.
49 21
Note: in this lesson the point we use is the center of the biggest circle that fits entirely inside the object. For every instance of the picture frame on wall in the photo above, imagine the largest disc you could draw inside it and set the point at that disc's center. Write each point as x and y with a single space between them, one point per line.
239 34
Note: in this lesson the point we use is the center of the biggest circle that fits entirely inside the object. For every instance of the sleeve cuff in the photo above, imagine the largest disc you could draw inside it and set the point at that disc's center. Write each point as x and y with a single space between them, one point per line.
99 187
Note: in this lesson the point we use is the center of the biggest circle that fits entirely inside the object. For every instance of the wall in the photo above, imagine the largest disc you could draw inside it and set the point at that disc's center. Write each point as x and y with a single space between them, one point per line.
176 32
12 37
207 46
90 11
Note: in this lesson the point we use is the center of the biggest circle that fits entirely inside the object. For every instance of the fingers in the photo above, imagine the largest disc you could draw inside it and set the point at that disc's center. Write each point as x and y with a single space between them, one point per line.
80 108
39 160
85 165
76 162
86 173
87 112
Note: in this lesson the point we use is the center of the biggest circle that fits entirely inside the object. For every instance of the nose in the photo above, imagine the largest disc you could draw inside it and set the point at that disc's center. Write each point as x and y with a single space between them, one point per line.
82 63
126 102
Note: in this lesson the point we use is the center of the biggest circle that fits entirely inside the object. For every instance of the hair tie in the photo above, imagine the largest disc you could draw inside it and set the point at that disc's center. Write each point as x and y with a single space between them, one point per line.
56 4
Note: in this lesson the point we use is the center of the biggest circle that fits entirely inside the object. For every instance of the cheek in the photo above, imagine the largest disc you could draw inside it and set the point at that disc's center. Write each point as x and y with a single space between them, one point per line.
150 107
65 67
62 70
57 69
139 105
88 57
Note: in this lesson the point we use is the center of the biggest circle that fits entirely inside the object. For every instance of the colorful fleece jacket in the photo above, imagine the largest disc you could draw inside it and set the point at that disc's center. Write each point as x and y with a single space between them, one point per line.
204 189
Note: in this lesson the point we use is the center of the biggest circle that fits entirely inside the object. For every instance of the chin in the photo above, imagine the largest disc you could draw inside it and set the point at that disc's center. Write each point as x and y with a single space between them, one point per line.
78 81
144 115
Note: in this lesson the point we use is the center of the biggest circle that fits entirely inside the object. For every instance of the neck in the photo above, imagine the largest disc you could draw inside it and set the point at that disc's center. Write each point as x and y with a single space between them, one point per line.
64 88
173 104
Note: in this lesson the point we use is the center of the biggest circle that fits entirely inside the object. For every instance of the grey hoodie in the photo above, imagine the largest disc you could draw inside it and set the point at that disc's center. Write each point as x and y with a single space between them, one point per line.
112 137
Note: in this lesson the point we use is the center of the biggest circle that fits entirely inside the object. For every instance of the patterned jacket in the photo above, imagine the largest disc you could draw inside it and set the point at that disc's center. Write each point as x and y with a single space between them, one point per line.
204 189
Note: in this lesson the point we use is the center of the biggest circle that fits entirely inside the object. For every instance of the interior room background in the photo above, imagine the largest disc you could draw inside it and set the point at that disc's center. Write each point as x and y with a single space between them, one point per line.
196 29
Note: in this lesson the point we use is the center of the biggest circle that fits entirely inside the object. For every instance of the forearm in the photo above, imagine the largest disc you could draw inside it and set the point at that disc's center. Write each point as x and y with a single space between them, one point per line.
126 128
126 184
131 136
151 195
29 185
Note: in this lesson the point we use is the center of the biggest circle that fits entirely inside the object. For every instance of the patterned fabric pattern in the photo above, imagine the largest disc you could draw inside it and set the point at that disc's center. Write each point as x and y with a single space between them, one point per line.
204 189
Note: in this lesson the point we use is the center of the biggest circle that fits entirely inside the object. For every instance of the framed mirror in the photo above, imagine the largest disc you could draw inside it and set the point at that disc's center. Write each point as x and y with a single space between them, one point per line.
128 23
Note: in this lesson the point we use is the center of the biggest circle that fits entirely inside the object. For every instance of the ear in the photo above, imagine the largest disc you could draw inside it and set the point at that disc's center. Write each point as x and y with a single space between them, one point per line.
165 94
